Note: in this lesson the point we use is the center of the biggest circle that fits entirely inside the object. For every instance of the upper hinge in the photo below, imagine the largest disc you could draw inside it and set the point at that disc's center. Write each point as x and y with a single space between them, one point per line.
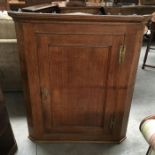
112 122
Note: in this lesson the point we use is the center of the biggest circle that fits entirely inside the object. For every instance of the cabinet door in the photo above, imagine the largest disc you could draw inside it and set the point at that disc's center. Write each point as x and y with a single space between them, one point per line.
74 74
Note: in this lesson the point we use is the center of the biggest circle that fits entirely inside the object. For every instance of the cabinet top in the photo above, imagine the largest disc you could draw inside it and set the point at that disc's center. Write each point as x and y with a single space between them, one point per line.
78 17
91 13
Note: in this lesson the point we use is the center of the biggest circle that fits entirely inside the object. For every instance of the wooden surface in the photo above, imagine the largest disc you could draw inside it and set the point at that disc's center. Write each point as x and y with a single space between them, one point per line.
131 10
79 74
3 5
34 2
16 4
148 2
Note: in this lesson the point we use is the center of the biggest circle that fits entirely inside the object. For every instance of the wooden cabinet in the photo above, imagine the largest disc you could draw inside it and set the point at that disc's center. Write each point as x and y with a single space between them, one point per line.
79 73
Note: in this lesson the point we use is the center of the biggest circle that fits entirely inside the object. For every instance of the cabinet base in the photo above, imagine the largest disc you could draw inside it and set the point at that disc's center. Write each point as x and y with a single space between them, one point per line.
77 141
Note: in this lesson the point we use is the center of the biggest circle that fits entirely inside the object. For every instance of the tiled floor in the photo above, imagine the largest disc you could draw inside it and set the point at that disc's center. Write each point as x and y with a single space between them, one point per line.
143 104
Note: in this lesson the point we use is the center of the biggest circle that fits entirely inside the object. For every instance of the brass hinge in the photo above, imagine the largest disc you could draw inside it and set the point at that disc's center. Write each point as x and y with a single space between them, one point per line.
122 52
112 122
44 94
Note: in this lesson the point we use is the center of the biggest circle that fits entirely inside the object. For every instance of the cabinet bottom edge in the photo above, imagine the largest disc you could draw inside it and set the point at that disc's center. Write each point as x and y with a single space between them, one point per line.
76 141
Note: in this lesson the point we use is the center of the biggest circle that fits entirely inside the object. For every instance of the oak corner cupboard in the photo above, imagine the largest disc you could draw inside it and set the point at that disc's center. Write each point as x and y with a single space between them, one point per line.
79 74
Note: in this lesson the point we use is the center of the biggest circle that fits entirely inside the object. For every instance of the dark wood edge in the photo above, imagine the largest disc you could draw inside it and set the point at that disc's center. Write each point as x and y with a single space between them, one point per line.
145 119
85 18
13 149
4 129
76 141
147 153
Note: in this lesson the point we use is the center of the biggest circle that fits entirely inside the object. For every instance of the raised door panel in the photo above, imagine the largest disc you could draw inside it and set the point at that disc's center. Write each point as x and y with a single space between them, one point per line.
74 74
122 63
